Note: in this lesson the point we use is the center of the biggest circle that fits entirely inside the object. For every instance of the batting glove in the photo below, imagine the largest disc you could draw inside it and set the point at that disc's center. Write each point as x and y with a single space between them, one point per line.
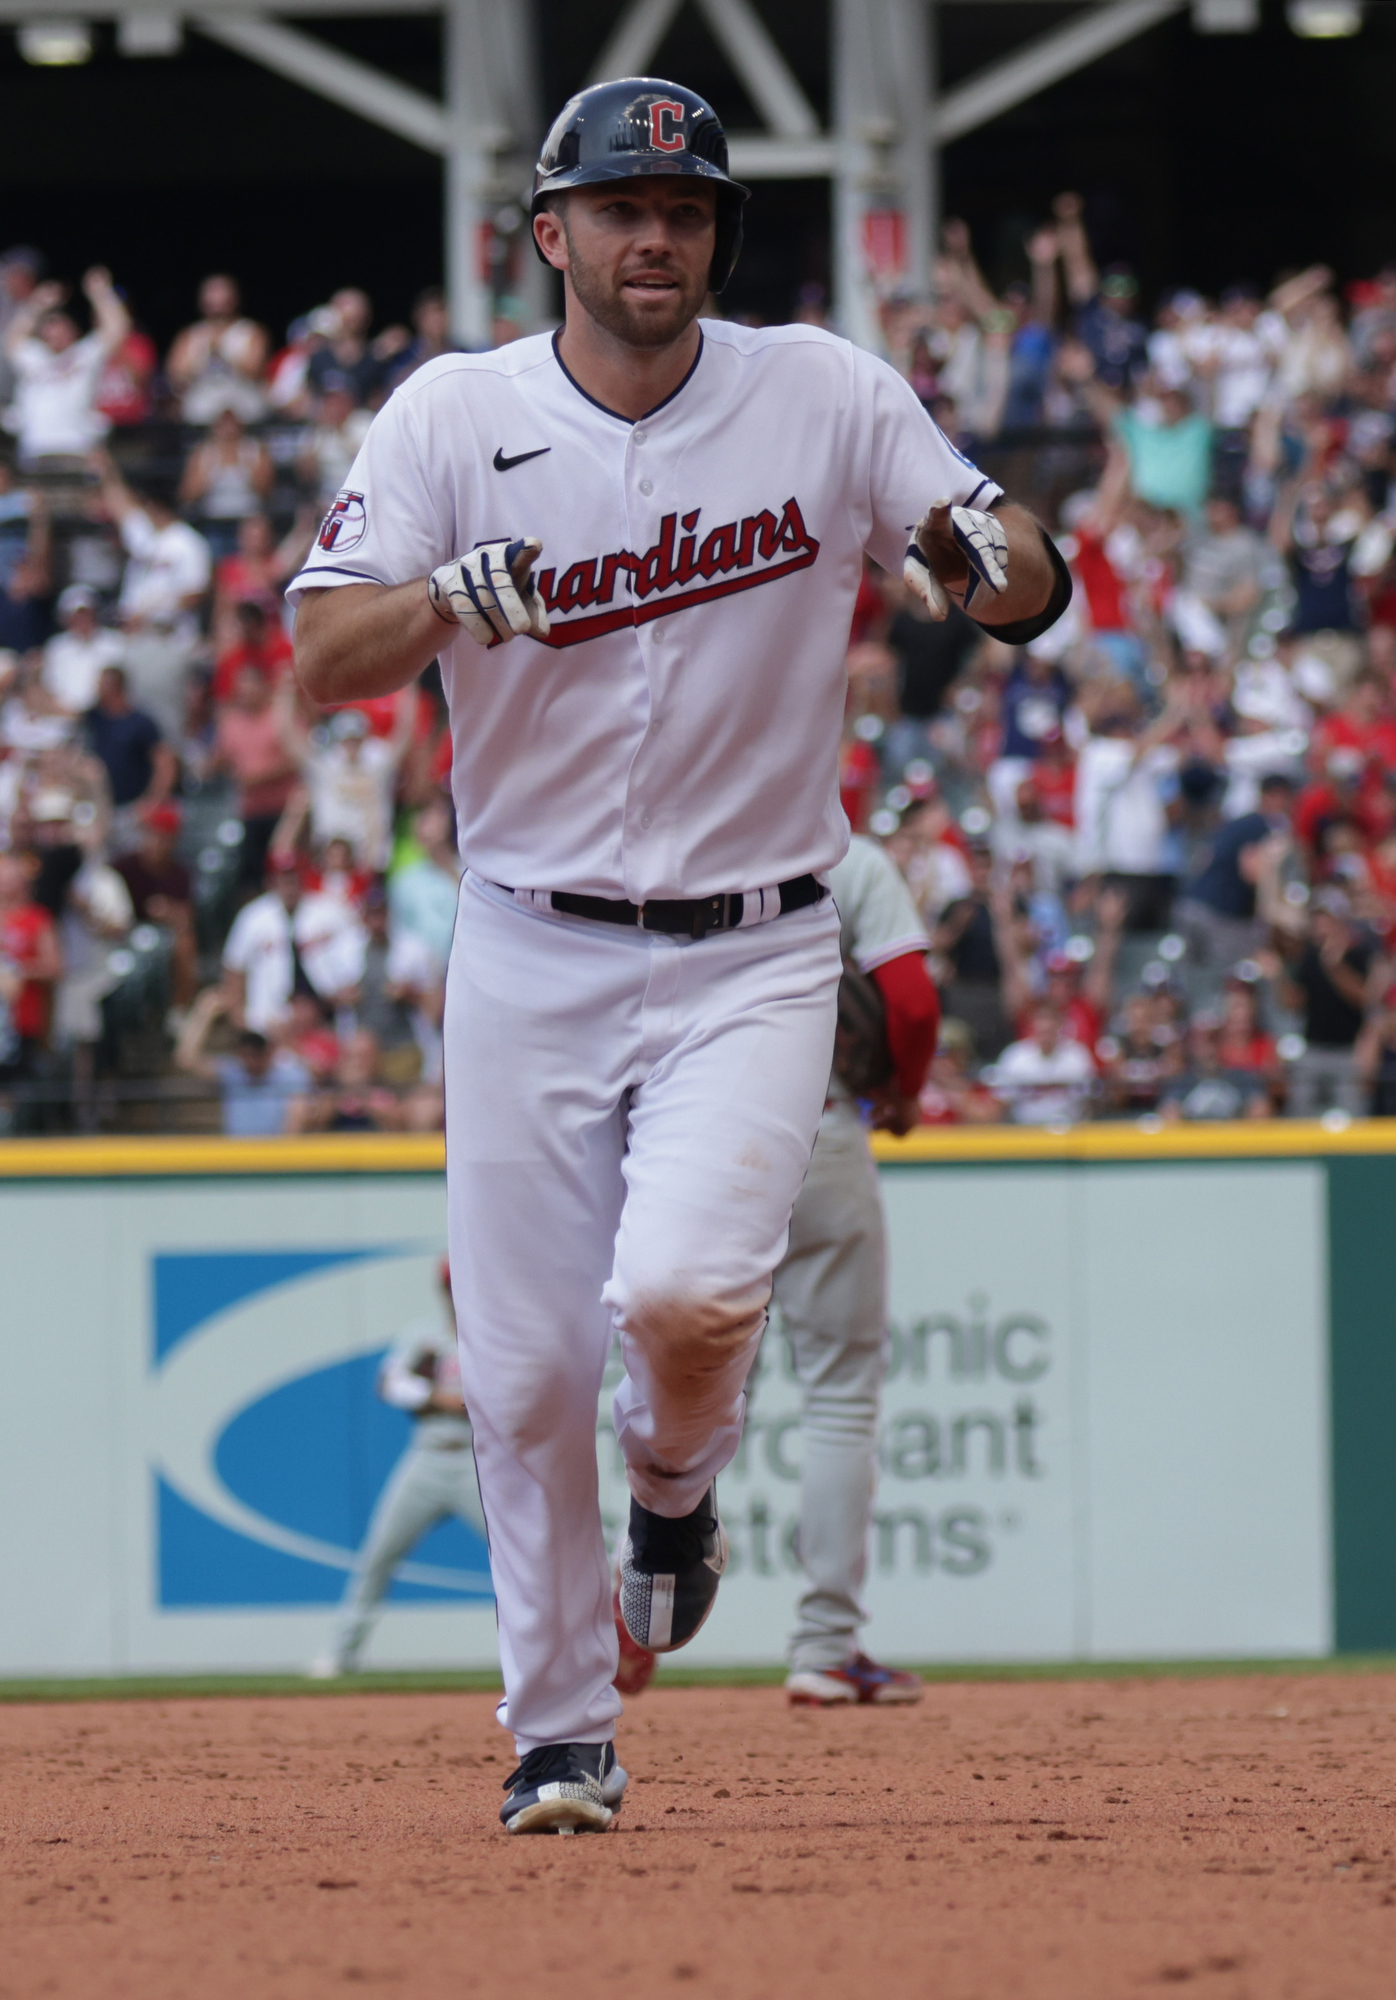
491 591
981 541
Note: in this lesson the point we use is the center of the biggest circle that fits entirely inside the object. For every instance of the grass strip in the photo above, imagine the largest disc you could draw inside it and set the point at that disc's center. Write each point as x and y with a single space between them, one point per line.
191 1687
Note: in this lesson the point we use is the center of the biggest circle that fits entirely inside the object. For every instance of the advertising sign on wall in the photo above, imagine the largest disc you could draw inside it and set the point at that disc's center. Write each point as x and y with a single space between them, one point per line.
1104 1429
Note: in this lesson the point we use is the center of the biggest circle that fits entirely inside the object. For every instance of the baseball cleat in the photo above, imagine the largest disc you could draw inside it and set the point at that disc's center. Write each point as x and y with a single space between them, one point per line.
859 1681
637 1663
564 1788
669 1573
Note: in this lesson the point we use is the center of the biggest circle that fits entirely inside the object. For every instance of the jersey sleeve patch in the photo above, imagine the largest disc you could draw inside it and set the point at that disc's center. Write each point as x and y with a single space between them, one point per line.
345 525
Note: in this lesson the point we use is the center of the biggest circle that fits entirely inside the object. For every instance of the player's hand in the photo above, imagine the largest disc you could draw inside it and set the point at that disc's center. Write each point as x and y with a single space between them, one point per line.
491 592
953 549
894 1112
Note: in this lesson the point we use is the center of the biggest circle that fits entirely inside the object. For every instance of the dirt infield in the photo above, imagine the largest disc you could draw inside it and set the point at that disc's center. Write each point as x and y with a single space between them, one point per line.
1024 1841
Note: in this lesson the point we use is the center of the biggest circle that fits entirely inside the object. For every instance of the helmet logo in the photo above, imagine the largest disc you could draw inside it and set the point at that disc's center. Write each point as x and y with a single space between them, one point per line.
666 126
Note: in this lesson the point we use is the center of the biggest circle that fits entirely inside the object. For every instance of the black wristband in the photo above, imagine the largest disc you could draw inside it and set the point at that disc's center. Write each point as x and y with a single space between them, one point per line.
1024 630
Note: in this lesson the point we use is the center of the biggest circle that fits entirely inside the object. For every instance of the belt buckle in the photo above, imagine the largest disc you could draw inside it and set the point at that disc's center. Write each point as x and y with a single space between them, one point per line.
709 914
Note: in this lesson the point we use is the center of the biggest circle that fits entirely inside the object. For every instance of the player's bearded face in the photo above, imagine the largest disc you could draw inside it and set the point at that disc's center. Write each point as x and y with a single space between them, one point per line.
639 257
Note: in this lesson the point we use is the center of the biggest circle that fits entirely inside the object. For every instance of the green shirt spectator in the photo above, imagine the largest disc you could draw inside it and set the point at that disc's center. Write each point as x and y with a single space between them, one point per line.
1170 461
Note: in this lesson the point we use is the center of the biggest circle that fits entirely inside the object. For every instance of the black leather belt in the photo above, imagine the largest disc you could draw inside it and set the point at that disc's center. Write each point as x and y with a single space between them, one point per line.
692 916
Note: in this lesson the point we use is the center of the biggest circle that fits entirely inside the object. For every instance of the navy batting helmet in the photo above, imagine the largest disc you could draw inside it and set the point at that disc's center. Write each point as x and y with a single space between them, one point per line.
642 125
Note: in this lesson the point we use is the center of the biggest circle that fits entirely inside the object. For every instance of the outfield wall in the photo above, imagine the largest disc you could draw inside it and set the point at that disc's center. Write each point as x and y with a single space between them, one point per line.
1142 1403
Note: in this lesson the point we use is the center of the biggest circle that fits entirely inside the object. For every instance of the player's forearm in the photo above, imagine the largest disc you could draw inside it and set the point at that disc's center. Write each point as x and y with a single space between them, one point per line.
1030 573
366 639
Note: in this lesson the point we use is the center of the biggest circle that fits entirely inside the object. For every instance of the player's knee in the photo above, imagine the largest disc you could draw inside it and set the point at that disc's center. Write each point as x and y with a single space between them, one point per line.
693 1329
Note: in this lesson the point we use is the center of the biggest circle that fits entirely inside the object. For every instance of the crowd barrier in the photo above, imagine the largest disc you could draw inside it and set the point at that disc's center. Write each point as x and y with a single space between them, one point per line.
1141 1402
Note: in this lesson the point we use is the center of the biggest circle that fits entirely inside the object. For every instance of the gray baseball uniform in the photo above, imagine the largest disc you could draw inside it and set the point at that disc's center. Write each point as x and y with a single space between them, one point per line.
832 1294
434 1478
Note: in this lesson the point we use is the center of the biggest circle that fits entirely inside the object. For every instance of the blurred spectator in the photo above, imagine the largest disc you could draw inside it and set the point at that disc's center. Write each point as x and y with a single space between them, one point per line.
1217 913
54 415
21 268
1207 1090
252 746
1226 564
1045 1079
25 579
74 657
1325 981
264 649
1375 1058
431 338
969 969
1125 784
1104 307
256 573
350 777
1078 991
400 976
953 1094
1243 1043
423 893
167 576
226 481
216 364
929 657
96 915
340 429
258 1083
1035 699
125 391
162 892
353 1102
1026 833
31 964
346 363
140 765
1141 1060
284 945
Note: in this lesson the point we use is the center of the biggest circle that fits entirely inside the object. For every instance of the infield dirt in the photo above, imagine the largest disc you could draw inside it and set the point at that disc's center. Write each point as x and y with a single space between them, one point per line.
1023 1841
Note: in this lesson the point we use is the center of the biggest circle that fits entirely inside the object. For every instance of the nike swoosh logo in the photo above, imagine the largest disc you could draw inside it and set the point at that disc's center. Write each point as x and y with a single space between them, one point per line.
503 464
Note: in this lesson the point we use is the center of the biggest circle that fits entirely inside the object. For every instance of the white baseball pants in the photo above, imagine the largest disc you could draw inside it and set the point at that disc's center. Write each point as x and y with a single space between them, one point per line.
629 1118
429 1483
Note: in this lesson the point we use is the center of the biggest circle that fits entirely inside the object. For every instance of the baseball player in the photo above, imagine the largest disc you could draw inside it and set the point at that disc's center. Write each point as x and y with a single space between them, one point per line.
434 1478
832 1291
635 546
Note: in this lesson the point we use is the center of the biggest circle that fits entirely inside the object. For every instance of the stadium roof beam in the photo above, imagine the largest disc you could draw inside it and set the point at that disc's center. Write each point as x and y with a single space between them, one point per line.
882 155
1044 61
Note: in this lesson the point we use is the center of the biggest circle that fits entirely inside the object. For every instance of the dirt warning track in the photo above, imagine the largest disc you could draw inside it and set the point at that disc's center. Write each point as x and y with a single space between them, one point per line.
1045 1841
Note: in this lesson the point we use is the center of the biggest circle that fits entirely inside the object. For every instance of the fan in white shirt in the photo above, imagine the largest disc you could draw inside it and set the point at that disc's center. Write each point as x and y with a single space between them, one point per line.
283 937
54 413
74 658
1045 1079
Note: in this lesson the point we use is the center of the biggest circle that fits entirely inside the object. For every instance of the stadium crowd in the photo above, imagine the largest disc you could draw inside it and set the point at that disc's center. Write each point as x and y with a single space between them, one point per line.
1155 850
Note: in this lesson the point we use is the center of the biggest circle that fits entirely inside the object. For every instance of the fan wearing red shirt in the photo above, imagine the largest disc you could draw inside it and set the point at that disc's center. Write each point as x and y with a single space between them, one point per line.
30 964
260 645
1080 994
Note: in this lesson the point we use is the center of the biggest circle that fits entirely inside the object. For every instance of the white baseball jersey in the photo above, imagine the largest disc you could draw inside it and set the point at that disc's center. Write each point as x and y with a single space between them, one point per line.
677 733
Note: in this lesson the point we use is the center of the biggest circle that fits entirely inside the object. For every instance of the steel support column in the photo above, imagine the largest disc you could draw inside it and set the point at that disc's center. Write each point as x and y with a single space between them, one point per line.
493 124
884 199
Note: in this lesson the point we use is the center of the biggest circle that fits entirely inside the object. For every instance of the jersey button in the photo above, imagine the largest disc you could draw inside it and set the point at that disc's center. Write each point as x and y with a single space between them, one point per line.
639 436
646 487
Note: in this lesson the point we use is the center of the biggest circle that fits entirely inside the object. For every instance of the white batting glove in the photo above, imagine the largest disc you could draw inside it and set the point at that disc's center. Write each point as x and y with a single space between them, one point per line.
981 541
491 591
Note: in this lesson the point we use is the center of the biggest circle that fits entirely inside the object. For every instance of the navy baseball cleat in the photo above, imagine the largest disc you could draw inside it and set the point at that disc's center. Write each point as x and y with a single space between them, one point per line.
564 1788
669 1573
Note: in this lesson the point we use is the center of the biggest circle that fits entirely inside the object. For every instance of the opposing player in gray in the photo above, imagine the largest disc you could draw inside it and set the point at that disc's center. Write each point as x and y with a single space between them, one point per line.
433 1480
832 1294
